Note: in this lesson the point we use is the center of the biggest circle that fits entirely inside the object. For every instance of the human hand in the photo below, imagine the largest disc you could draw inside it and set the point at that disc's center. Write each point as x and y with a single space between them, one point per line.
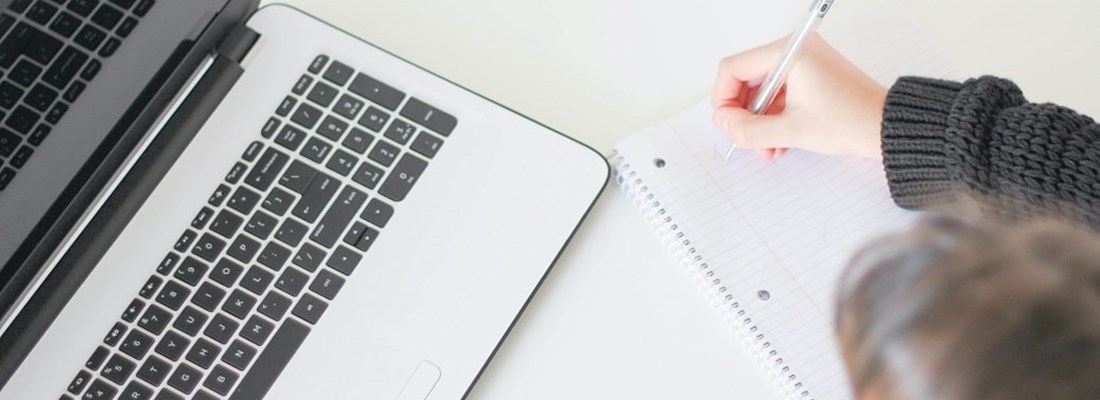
827 106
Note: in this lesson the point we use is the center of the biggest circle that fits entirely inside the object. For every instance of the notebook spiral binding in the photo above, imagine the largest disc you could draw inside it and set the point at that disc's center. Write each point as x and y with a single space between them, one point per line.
701 274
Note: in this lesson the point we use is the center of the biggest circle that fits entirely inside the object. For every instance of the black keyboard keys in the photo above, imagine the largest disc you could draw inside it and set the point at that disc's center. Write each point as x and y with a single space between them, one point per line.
239 355
316 197
376 91
14 43
173 345
185 378
267 169
154 370
118 369
272 360
403 177
341 214
136 344
65 68
310 308
429 117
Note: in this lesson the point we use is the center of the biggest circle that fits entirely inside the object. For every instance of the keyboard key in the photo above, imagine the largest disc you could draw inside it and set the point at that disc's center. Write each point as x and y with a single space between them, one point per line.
327 284
154 370
256 280
74 92
192 270
19 6
292 281
286 106
137 344
310 308
239 355
267 169
403 177
219 196
173 294
15 42
204 353
338 73
243 200
107 17
368 175
355 233
57 112
309 257
278 201
344 260
306 116
376 91
8 142
342 163
25 73
378 213
316 197
369 236
43 48
302 85
358 140
221 380
209 247
9 95
172 345
226 272
226 223
136 391
150 287
133 310
166 394
252 151
39 135
426 144
341 214
316 150
185 378
90 37
6 176
429 117
91 70
127 27
208 297
318 64
154 320
118 369
202 218
143 7
261 225
291 232
273 256
98 357
65 25
384 153
100 390
290 138
400 131
332 128
83 8
274 305
115 334
221 328
236 173
190 321
22 119
79 382
239 304
257 330
322 94
273 360
374 119
110 47
298 177
42 12
65 68
243 249
348 107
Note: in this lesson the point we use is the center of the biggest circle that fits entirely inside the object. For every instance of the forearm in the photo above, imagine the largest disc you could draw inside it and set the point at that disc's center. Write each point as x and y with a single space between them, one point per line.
983 138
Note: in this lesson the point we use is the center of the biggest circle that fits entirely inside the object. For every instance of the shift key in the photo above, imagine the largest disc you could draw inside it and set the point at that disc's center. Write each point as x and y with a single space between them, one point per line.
315 198
341 214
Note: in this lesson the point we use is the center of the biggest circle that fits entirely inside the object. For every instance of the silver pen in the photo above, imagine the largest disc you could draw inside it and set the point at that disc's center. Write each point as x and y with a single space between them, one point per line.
775 80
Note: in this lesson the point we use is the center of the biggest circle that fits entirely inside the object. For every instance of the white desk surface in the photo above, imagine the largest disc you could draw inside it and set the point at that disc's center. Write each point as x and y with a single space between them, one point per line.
617 318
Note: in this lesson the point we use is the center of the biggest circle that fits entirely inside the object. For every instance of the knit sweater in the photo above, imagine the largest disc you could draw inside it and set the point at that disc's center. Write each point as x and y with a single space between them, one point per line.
982 138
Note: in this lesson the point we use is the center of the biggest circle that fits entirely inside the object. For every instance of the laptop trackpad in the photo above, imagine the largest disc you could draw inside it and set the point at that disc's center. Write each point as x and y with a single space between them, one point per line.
421 383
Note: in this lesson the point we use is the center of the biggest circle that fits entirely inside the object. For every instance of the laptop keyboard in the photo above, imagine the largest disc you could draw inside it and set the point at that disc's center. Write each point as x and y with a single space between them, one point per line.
274 244
49 51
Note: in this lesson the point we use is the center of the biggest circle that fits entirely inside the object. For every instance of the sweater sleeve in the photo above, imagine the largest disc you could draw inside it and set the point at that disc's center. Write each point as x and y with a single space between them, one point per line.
941 139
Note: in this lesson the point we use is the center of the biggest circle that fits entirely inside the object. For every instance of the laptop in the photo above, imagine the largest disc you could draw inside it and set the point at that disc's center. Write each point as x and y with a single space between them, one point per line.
203 199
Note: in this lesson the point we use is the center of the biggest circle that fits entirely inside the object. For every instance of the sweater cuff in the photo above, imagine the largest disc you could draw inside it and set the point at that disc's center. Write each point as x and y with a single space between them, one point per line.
914 123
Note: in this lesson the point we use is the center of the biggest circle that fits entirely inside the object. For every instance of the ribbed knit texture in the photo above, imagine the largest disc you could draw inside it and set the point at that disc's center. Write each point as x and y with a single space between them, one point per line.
982 138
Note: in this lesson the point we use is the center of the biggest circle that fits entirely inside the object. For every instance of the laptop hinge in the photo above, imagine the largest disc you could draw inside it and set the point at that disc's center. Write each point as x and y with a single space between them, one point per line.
239 42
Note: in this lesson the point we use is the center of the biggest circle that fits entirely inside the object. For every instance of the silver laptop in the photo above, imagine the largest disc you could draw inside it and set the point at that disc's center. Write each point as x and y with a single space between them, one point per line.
205 200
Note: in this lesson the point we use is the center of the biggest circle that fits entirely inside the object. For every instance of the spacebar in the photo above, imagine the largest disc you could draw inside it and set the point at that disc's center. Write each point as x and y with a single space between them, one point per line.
272 361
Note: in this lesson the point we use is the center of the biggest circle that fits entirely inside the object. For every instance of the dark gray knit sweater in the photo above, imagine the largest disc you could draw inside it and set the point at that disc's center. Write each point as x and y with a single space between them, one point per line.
982 137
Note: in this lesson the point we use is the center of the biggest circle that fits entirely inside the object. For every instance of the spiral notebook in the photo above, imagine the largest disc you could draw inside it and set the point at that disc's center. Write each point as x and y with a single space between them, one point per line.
767 240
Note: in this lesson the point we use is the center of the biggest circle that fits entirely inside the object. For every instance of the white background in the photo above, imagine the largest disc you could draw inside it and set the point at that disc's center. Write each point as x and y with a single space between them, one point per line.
617 318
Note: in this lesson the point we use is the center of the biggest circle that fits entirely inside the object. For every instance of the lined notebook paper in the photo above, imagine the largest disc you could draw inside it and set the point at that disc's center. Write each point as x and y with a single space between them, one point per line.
767 240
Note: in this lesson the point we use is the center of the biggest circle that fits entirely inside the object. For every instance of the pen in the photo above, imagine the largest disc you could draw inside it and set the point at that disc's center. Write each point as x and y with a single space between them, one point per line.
778 76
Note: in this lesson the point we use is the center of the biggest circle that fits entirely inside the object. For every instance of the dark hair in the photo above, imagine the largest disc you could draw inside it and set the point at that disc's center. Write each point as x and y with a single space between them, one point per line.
952 311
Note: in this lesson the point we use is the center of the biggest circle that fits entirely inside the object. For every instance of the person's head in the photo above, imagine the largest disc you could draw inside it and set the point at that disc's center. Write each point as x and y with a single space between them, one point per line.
950 311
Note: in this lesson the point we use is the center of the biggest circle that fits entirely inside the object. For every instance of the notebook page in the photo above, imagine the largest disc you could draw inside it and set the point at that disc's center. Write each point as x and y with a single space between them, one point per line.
777 234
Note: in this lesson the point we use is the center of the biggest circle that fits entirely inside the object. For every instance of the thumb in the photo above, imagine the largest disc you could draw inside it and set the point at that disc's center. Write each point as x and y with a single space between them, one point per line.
749 131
